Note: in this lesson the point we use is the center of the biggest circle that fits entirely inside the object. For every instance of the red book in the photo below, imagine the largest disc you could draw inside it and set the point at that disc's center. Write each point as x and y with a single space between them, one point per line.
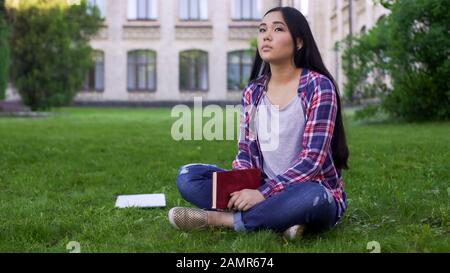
226 182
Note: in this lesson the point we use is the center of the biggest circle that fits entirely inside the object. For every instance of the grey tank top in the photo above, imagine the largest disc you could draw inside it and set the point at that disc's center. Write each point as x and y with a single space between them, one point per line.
280 134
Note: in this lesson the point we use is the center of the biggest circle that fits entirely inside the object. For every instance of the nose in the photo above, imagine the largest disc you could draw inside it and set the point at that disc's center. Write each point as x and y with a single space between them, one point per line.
266 36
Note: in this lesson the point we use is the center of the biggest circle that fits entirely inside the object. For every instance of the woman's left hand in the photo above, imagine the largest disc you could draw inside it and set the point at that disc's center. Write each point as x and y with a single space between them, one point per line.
245 199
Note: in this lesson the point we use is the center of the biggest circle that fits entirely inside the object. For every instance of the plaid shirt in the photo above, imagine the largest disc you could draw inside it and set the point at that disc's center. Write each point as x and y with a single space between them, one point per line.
315 163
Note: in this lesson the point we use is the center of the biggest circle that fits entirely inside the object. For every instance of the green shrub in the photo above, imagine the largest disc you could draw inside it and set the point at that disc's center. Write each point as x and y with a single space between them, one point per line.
411 46
50 51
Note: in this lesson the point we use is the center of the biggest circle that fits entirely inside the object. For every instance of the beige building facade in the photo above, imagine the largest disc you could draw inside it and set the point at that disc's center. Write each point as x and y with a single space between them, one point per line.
172 50
175 50
330 23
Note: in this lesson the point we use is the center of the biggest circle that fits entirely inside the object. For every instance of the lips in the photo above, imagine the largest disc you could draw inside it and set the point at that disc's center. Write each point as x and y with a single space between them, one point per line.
266 48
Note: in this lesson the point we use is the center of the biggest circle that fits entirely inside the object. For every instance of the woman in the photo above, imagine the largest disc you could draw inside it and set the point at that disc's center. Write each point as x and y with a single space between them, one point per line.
302 185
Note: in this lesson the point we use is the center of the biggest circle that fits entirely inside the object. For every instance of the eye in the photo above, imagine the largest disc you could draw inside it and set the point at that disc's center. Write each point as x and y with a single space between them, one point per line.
261 30
279 28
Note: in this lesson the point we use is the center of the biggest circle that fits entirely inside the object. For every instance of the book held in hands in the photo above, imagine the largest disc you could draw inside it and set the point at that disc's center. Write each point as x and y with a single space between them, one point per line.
226 182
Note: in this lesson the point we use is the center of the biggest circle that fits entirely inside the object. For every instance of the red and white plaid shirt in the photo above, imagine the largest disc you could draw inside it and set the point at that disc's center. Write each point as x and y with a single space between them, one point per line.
315 163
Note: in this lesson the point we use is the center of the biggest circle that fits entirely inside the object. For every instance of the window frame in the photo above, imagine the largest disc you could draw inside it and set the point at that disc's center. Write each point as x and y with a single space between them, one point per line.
197 65
148 13
199 10
255 5
241 53
137 65
89 84
101 8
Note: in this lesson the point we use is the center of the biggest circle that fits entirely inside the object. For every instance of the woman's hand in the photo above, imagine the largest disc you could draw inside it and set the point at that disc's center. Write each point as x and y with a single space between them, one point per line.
245 199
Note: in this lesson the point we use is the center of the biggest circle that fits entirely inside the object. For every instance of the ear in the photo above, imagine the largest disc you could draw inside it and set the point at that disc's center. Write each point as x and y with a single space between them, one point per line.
299 43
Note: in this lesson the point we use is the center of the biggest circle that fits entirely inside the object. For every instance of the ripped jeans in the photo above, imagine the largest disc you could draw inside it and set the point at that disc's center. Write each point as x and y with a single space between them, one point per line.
307 203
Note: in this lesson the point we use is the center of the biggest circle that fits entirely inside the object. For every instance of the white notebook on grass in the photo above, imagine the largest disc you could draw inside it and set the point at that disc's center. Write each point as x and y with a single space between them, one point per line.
141 200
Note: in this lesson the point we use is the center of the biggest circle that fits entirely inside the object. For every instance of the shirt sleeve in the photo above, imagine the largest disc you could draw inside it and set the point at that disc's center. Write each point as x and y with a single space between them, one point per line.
242 160
321 116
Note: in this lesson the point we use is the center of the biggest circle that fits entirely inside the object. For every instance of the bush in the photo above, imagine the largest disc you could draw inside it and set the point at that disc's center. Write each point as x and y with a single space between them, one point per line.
4 50
366 78
411 45
50 50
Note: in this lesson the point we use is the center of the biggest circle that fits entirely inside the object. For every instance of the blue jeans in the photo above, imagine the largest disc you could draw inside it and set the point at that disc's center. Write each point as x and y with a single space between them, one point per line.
307 203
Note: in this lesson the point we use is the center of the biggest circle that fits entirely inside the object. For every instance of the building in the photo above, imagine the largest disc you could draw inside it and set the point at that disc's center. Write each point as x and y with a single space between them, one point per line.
330 22
173 50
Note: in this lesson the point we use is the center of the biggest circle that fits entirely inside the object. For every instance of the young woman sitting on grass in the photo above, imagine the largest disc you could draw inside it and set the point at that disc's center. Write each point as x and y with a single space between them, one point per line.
302 183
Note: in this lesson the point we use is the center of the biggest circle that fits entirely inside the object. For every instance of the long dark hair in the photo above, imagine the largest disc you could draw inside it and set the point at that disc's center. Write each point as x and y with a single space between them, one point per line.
309 57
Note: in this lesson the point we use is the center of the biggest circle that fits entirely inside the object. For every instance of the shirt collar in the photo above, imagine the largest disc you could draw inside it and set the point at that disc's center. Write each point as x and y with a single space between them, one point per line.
262 80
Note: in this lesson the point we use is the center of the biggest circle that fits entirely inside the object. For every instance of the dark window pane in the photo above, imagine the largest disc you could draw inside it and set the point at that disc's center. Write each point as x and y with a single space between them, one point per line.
234 58
99 77
203 73
239 68
194 70
131 77
151 77
141 77
95 77
142 70
233 76
246 71
142 58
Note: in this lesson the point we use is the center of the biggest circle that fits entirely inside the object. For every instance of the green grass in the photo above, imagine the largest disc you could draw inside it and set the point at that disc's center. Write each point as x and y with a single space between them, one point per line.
59 177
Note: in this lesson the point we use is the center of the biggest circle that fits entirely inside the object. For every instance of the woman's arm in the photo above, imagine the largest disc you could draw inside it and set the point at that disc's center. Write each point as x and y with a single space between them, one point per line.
316 140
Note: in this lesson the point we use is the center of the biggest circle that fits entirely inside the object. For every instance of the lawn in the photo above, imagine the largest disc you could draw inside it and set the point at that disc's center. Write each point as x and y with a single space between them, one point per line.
59 176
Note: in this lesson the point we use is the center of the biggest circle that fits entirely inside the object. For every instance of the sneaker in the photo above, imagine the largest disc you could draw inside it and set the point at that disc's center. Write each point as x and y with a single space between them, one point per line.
294 232
188 218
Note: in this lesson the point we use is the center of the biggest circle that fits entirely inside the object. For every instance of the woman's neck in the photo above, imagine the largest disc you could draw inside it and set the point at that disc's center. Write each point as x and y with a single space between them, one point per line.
283 74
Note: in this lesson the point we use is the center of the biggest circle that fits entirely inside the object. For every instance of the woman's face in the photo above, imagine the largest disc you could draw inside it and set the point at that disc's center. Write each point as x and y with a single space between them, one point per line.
274 33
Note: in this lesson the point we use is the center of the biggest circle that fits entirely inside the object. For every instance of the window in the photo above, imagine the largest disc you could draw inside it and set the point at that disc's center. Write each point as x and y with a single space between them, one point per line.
363 30
380 18
193 9
194 70
142 9
99 4
95 79
246 9
239 69
142 70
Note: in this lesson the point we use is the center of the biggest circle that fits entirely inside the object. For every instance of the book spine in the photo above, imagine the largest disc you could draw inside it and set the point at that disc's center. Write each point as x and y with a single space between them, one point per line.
214 190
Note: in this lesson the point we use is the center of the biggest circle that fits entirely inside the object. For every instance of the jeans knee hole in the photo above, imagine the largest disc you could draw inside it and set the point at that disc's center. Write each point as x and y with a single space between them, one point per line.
184 170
